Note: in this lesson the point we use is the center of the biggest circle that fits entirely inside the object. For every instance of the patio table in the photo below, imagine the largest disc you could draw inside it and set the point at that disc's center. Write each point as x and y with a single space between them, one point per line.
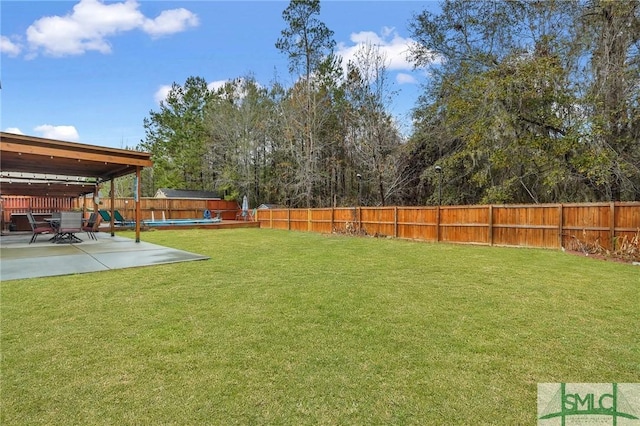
54 222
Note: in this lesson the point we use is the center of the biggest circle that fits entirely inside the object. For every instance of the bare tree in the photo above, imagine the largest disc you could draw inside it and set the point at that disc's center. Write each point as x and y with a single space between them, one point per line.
374 136
308 42
614 97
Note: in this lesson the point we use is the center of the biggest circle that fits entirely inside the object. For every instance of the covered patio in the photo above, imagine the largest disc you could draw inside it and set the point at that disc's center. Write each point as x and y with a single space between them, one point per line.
36 166
33 166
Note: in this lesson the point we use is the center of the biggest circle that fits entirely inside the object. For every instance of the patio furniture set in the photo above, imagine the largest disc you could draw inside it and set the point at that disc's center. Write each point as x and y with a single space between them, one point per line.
64 226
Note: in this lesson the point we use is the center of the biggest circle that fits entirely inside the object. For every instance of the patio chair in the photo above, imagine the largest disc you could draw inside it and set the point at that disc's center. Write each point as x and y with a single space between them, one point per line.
70 224
91 225
106 217
121 220
38 227
118 220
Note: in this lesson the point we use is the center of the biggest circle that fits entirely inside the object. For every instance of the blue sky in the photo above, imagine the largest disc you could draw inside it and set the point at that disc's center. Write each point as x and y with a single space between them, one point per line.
91 71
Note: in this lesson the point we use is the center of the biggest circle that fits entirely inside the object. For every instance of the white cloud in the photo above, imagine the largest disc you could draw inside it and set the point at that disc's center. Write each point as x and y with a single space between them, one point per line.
170 22
240 86
404 78
218 84
162 93
91 23
9 47
14 130
391 45
64 133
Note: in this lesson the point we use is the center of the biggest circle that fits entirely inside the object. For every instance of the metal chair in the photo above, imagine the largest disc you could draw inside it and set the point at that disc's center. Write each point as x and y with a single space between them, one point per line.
91 225
38 227
70 224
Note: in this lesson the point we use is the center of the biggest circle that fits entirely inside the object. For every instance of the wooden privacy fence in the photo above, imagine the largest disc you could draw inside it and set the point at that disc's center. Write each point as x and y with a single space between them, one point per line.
13 204
539 225
174 208
157 208
18 206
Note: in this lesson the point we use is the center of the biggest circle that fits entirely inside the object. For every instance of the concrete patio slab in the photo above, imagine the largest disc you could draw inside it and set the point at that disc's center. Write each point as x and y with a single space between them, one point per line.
19 259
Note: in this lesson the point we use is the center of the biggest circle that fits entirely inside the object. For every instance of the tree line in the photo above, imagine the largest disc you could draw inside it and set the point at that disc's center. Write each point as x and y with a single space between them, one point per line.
527 102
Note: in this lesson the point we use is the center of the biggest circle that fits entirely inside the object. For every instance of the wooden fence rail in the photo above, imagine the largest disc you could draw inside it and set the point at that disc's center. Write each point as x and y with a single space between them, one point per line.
545 226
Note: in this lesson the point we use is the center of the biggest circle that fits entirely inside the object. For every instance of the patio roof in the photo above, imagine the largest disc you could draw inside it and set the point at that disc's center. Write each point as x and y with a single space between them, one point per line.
35 185
63 168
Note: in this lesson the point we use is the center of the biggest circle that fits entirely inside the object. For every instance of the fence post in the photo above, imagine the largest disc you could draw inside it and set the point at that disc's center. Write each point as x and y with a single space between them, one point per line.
612 225
490 224
437 223
395 222
289 219
560 224
309 227
332 213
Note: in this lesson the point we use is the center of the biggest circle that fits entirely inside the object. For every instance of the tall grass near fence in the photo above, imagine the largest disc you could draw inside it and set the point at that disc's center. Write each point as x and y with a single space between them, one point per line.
302 328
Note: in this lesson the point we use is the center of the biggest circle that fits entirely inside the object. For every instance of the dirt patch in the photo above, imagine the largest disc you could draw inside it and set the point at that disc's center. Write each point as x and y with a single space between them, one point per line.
627 248
602 257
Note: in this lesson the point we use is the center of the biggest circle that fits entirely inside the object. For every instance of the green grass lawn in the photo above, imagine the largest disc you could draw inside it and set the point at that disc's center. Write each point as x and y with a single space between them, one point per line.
296 328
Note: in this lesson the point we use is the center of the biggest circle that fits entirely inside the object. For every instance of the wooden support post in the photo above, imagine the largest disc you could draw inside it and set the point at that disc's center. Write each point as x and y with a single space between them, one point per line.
113 202
95 200
138 192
